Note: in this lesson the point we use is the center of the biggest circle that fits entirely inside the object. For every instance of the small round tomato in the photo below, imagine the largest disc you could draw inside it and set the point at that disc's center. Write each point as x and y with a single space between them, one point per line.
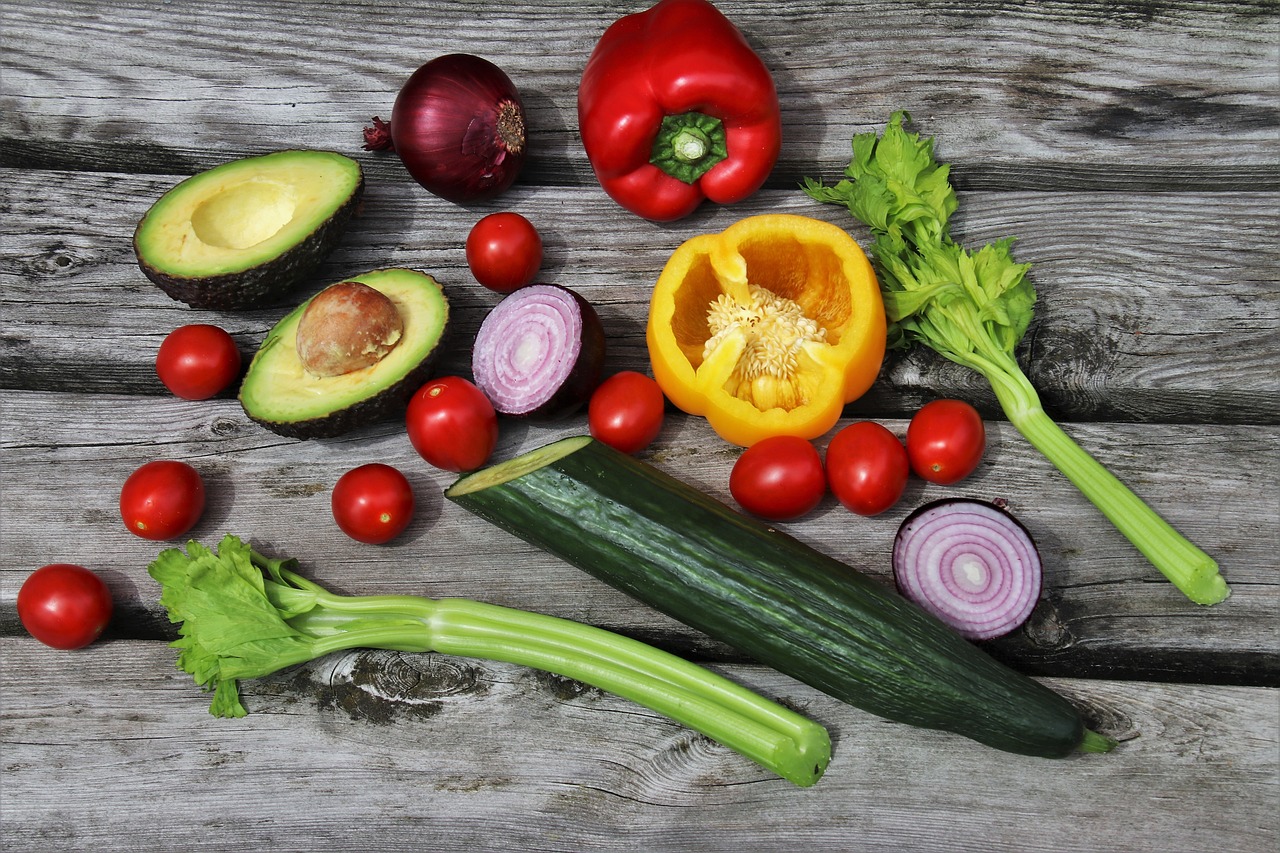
64 606
162 499
504 251
945 441
373 503
452 424
626 411
778 478
867 468
197 362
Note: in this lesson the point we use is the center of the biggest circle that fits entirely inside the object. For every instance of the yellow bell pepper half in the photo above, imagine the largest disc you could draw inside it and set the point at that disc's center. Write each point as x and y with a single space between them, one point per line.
768 328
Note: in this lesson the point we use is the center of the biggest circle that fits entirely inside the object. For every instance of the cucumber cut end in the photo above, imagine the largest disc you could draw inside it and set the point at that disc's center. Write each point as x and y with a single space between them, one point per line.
511 469
1094 742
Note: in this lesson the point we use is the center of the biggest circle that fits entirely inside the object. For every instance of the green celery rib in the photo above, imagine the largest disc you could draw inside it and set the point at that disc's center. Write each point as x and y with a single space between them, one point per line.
972 308
786 743
778 739
1185 565
1190 569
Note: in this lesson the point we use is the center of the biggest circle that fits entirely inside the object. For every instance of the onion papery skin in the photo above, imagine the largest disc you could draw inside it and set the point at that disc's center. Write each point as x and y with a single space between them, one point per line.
458 126
942 544
539 353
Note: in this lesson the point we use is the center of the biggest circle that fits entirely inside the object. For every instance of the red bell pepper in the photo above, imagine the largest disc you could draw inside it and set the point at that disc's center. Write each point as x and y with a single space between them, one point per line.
675 107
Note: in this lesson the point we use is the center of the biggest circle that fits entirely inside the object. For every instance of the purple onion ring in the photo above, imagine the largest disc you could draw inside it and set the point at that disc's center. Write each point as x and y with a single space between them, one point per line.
969 563
539 352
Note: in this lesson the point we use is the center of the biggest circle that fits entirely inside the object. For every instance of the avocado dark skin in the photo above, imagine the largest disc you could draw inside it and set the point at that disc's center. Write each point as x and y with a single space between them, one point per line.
263 283
247 232
279 393
388 404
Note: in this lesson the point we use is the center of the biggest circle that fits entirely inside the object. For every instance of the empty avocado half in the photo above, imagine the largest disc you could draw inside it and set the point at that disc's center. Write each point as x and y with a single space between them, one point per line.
248 231
361 355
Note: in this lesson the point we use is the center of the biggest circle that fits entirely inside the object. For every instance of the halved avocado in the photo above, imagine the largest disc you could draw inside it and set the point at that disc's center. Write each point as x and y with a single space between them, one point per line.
278 393
248 231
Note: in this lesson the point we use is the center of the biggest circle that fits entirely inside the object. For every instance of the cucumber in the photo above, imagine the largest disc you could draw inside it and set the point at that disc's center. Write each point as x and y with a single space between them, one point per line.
766 594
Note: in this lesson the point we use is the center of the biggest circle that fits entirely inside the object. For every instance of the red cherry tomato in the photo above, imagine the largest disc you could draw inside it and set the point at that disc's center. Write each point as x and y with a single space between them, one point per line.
504 251
867 468
626 411
373 503
162 499
945 441
64 606
198 361
452 424
778 478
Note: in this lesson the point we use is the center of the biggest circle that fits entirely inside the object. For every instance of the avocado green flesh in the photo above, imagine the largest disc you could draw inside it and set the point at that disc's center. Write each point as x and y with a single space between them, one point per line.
248 231
280 395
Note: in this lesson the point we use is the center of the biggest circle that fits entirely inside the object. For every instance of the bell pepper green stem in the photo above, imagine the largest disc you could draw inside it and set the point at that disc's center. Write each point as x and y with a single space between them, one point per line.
688 145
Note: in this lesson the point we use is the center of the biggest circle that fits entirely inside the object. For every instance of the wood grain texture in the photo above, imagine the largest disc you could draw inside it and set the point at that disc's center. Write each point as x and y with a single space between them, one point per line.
1134 150
1105 610
1145 314
385 751
1066 95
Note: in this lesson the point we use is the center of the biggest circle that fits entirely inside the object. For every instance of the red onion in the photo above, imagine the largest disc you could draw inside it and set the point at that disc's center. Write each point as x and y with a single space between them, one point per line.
539 353
971 564
458 126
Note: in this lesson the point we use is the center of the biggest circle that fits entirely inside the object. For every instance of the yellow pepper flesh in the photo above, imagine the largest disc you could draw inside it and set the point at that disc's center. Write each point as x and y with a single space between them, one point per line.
768 328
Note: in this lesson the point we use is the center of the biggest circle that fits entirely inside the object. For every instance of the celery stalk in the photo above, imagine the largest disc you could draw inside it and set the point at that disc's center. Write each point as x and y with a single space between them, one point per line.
973 308
243 615
1190 569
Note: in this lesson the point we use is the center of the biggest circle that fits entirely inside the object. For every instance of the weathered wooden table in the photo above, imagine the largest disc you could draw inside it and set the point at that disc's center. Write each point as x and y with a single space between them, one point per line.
1133 148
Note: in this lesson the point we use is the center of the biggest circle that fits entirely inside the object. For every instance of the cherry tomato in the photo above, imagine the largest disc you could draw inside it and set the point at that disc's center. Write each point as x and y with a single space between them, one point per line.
867 468
504 251
945 441
626 411
372 503
198 361
452 424
162 499
778 478
64 606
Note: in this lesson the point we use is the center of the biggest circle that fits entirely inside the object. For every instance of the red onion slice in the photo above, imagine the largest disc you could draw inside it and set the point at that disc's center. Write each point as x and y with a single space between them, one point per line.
539 352
971 564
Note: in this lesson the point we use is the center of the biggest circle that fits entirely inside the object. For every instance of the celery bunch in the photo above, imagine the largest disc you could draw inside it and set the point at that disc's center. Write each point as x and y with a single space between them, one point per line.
973 308
243 615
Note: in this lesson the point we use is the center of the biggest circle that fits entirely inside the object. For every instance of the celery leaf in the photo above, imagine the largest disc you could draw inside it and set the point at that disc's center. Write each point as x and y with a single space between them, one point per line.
973 308
229 627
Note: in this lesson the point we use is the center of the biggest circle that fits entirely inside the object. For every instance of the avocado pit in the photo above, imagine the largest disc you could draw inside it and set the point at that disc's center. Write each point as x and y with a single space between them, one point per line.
347 327
279 393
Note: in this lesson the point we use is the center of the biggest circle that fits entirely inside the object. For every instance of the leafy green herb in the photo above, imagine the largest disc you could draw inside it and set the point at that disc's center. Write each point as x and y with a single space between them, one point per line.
973 308
244 615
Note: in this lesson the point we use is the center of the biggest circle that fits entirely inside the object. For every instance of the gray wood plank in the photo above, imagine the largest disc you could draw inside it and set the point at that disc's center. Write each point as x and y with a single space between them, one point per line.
389 751
1175 95
1146 313
1131 147
1105 611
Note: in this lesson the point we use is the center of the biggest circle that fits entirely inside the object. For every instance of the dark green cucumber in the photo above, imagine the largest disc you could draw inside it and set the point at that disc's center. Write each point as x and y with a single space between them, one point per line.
766 594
